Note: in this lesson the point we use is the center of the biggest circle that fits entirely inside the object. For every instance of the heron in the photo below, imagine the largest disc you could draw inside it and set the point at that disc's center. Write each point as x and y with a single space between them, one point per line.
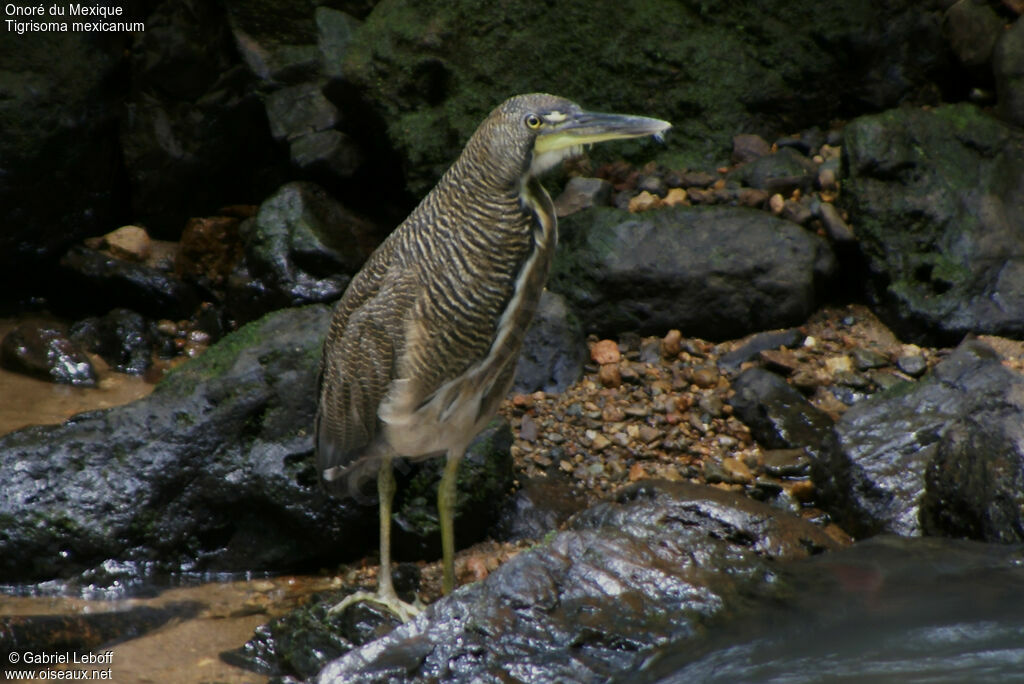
422 346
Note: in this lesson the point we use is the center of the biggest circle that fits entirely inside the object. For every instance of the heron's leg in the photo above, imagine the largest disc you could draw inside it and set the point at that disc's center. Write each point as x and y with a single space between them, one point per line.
385 595
446 494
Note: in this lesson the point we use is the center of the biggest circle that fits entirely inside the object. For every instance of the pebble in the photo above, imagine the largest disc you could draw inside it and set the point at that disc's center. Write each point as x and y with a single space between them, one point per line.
912 364
605 351
705 377
866 359
776 203
528 429
671 344
838 364
675 197
609 375
130 243
643 202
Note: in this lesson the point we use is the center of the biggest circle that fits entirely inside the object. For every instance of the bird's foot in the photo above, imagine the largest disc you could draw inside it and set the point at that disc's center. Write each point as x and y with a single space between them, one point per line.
389 601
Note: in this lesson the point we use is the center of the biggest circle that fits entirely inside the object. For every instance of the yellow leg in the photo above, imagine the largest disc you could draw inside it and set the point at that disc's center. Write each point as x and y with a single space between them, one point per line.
385 595
446 495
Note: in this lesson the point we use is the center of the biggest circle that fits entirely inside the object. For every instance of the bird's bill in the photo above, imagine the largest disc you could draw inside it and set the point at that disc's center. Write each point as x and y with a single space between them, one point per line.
586 128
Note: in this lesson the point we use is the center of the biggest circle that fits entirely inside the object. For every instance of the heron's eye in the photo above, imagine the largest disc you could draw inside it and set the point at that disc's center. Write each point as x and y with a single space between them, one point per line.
532 121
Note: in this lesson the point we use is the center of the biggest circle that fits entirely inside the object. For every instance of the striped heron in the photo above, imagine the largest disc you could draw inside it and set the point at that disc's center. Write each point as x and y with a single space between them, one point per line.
423 345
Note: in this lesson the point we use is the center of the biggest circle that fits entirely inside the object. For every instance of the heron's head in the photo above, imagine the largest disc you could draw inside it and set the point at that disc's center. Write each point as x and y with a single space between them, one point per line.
528 134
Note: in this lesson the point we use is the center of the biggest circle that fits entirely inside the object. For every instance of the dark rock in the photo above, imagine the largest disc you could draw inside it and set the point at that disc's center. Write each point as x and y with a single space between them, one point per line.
807 143
330 154
553 349
783 172
937 200
838 230
653 184
195 134
485 478
714 272
121 337
539 506
47 353
277 41
299 110
912 364
662 560
972 28
975 484
1008 67
211 472
787 462
866 359
582 193
779 417
431 74
746 147
874 476
94 282
731 361
301 247
59 115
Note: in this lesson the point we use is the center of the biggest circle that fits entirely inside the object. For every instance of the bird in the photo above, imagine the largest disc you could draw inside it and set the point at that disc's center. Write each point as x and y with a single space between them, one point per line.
422 346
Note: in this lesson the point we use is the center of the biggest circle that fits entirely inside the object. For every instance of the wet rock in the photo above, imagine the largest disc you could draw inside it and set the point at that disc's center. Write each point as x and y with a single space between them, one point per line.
539 506
783 172
301 247
975 484
94 282
758 343
838 230
211 472
60 111
122 338
912 364
335 31
1008 67
945 179
627 575
716 272
582 193
874 477
553 349
779 417
47 353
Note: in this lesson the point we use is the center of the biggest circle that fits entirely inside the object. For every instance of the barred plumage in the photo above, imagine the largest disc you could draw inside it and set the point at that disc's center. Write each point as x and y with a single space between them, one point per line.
423 344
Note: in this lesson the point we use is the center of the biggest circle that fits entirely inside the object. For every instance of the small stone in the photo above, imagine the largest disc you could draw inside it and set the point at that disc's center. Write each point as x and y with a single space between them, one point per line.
638 411
776 203
599 442
523 401
797 212
581 193
620 439
554 437
780 360
787 462
801 490
866 359
613 414
737 471
671 344
752 197
605 351
528 429
130 243
838 364
827 179
705 377
748 147
648 434
912 364
675 197
637 472
696 179
643 202
566 466
653 184
835 227
609 375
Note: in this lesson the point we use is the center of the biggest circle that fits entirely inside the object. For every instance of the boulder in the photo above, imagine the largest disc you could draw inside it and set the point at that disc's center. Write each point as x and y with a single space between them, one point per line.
211 472
715 272
936 202
936 456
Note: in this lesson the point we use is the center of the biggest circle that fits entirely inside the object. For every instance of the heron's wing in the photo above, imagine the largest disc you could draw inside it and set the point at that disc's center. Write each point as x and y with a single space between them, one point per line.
356 370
